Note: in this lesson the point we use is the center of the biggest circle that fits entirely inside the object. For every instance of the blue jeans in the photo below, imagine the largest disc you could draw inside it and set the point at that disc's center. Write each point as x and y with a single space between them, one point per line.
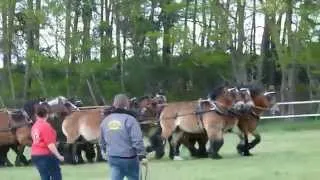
124 167
48 167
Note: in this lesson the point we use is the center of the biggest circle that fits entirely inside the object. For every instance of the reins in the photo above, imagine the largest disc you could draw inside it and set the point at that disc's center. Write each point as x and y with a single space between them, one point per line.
146 174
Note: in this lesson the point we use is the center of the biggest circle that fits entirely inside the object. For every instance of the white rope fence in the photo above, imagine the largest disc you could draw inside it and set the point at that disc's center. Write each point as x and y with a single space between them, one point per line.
294 115
299 102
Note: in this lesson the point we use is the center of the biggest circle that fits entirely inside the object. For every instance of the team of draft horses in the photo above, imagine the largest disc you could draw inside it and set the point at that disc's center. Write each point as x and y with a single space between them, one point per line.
203 122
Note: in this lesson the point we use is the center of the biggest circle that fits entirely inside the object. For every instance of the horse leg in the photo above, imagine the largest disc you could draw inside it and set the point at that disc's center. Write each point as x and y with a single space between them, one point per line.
76 151
4 161
173 149
20 158
68 155
99 155
188 141
175 141
90 152
246 149
202 142
157 144
240 146
216 142
256 140
170 148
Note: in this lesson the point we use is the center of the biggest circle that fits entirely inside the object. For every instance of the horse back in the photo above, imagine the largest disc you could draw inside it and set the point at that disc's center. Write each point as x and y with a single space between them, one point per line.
6 136
74 124
182 114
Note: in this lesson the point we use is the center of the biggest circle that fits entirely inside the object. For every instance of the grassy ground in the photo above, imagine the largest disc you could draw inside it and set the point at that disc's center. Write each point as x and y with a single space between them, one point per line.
289 151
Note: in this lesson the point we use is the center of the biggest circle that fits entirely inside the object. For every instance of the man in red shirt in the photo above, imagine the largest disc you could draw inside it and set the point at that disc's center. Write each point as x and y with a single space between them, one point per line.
45 155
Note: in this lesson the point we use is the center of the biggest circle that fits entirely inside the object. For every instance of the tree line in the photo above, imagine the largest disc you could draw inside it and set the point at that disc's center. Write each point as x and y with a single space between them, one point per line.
95 48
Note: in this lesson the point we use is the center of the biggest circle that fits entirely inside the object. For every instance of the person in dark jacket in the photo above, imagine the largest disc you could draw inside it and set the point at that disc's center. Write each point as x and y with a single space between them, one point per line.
121 139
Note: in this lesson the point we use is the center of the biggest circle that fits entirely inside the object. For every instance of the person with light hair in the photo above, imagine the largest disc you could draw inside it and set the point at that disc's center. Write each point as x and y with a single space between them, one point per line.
121 139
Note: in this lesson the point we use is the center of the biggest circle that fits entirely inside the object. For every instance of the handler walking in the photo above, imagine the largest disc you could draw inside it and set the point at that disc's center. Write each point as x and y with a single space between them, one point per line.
44 153
121 139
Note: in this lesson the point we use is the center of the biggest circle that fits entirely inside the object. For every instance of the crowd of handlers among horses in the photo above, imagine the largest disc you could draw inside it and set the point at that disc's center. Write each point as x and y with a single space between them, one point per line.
203 122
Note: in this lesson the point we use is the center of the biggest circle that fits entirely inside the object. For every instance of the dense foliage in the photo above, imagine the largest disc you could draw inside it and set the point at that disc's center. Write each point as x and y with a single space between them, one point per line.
95 48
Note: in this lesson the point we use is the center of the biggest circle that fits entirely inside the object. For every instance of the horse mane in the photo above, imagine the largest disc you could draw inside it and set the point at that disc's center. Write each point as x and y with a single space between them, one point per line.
18 116
255 89
142 98
216 92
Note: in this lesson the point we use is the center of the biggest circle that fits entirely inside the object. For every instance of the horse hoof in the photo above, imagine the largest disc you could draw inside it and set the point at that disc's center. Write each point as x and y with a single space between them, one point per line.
247 154
203 156
149 149
159 155
9 165
216 156
240 149
177 158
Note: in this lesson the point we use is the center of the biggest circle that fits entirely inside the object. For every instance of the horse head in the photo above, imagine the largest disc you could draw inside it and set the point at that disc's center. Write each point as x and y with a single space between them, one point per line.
147 107
255 97
224 96
19 116
60 106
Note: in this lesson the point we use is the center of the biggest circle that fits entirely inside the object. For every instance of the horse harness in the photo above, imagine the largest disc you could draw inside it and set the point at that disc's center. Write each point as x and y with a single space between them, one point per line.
11 122
214 107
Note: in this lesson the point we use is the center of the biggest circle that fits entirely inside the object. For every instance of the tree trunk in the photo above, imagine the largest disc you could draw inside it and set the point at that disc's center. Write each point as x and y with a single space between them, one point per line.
86 40
292 55
253 30
8 29
153 44
238 60
195 10
167 21
186 29
210 24
103 26
109 28
314 85
37 29
123 60
117 19
30 47
67 31
75 36
204 22
67 43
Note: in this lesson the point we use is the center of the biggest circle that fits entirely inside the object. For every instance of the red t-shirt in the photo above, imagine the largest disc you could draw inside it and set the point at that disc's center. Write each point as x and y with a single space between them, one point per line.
42 135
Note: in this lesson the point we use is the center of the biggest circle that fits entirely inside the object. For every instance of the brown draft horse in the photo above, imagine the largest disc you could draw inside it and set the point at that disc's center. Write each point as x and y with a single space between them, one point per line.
60 108
257 101
210 116
148 110
86 123
81 127
17 124
15 127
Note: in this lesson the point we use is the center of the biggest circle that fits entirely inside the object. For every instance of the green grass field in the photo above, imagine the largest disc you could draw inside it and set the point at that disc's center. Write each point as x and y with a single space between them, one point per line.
289 151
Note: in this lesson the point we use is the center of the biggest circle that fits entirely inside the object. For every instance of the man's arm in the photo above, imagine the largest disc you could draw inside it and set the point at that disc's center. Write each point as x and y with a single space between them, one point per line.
102 141
136 137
